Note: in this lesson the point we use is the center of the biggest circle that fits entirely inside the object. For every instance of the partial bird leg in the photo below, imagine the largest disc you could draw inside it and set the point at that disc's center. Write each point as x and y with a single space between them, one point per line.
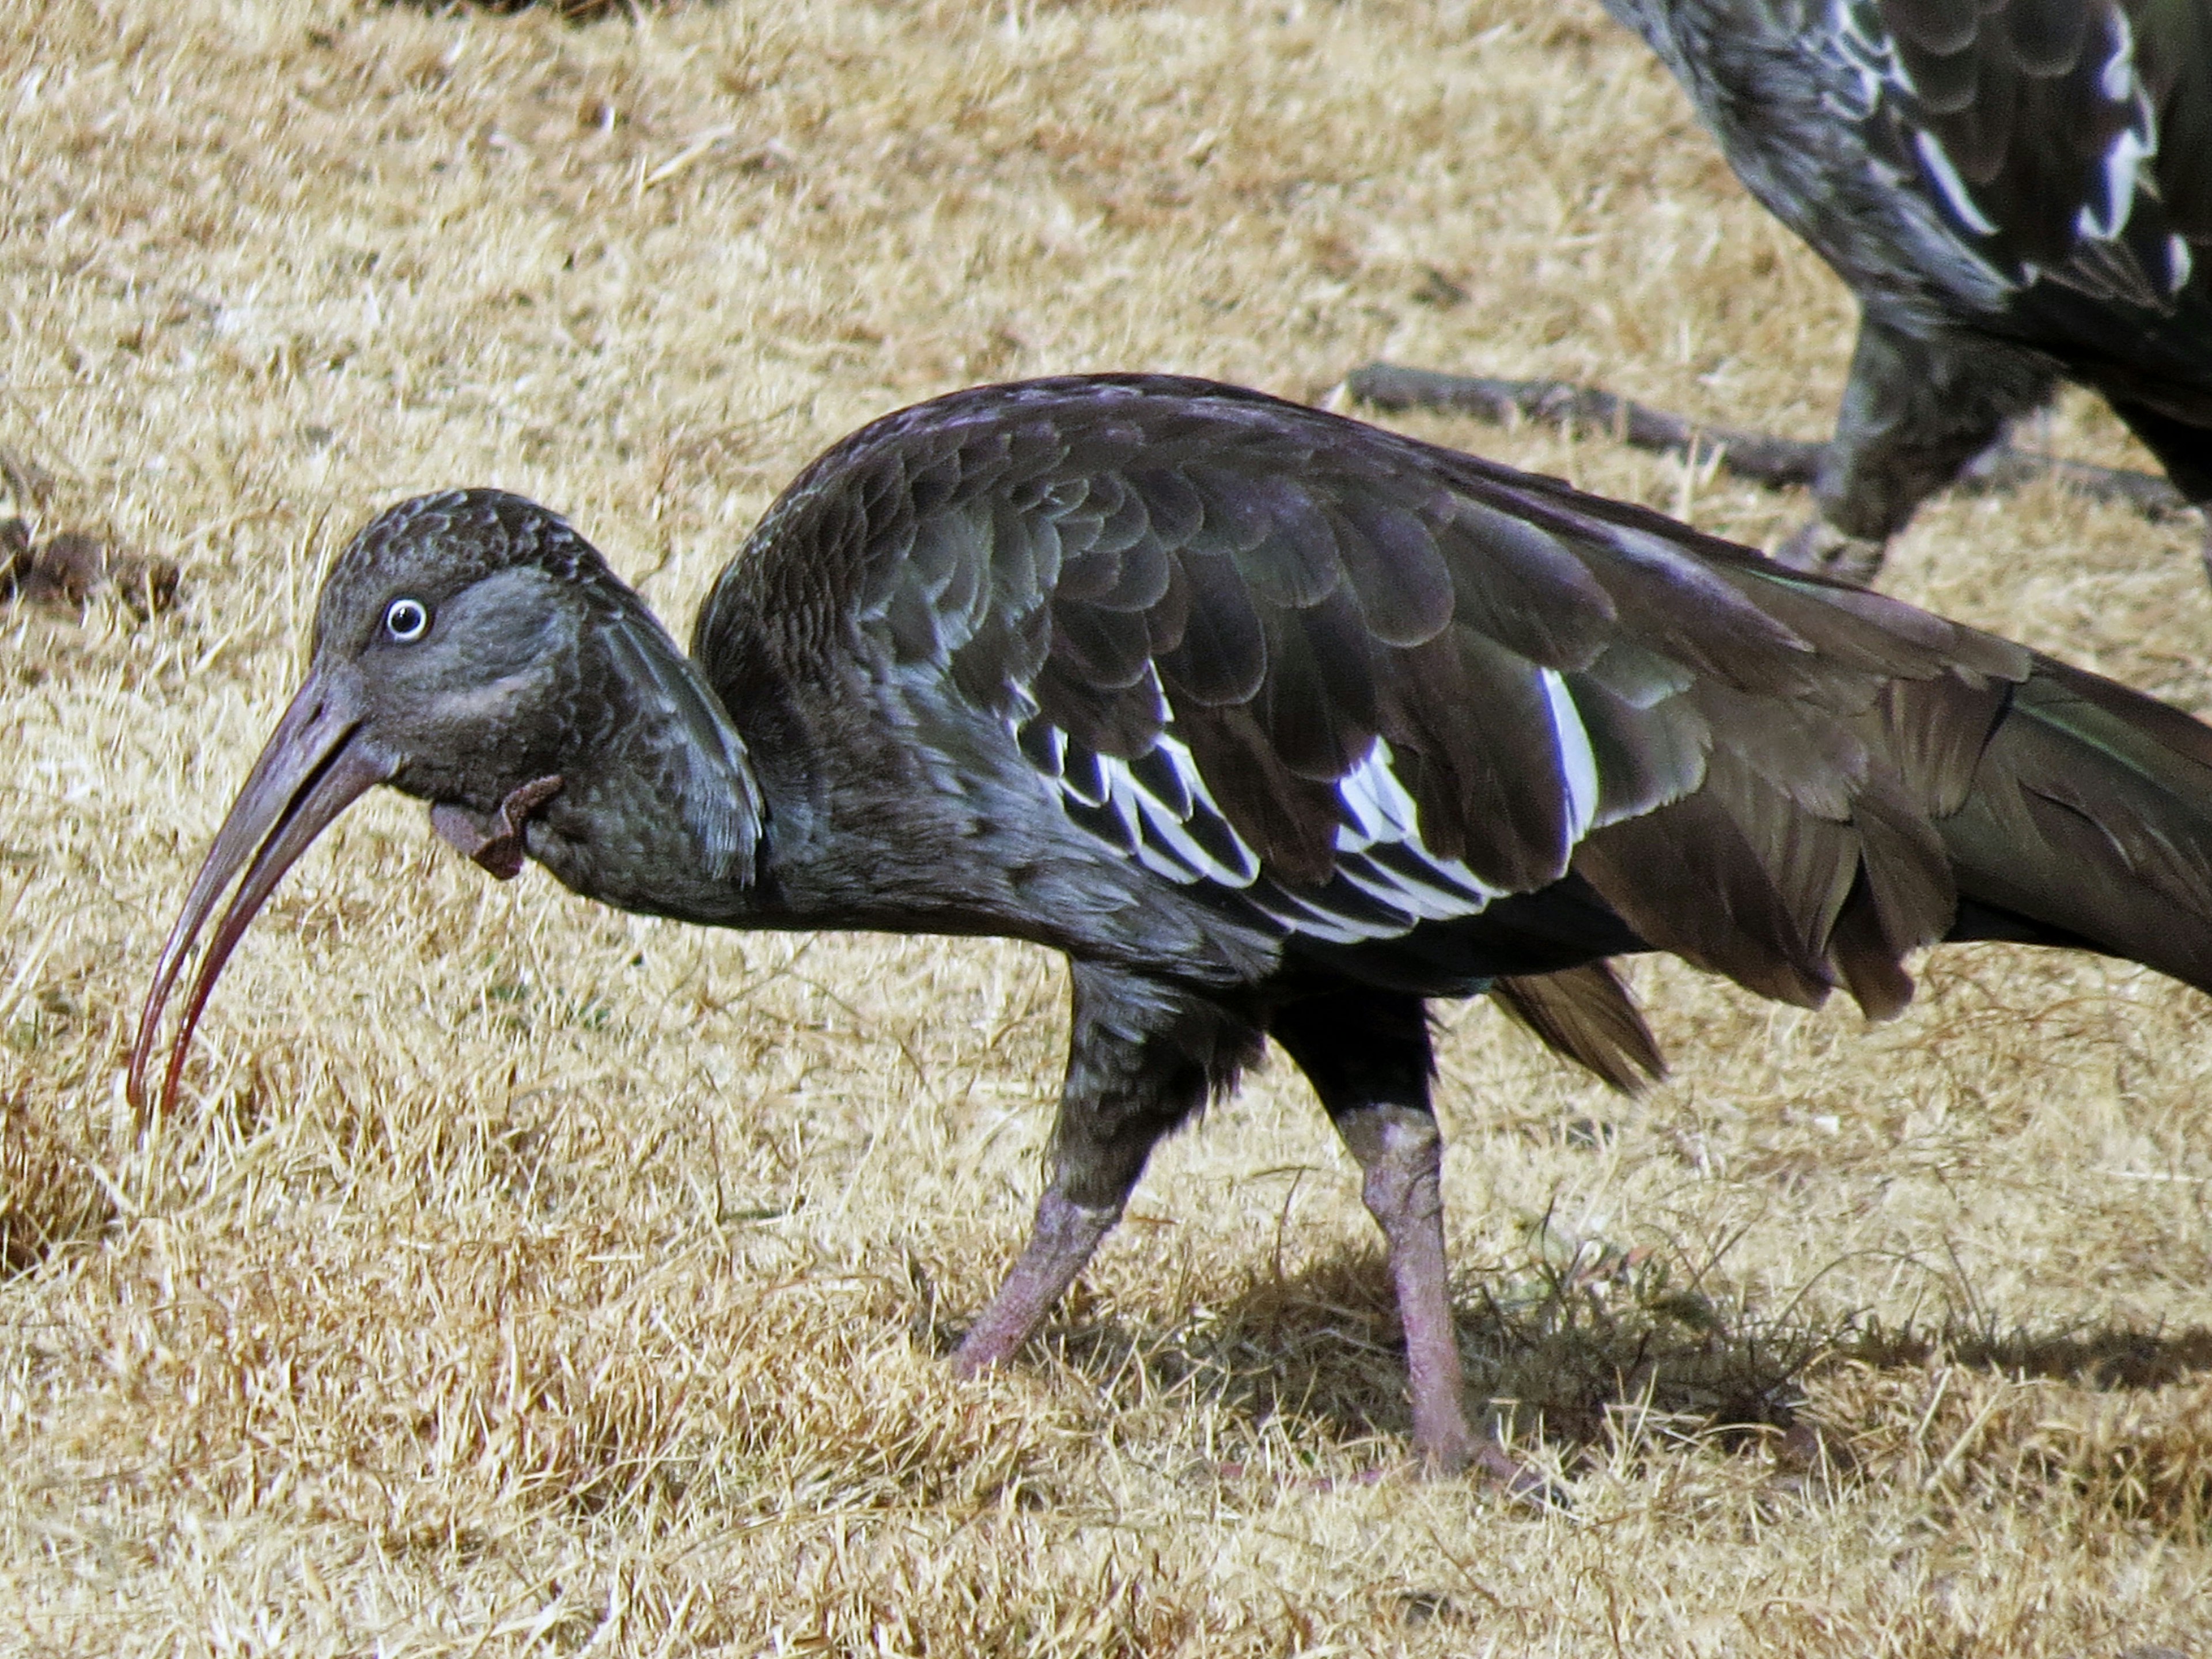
1061 1240
1142 1055
2185 451
1917 410
1367 1053
1401 1163
498 846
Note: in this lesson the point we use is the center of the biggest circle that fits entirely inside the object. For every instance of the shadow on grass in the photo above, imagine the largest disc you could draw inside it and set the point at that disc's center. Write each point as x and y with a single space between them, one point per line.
1583 1361
2108 1359
1557 1356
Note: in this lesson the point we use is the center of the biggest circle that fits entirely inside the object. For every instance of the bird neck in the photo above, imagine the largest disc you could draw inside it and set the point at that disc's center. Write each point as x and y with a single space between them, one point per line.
662 813
680 842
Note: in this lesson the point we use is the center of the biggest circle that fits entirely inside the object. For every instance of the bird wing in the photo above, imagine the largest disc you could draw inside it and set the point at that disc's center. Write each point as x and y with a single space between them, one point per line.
1348 685
2065 138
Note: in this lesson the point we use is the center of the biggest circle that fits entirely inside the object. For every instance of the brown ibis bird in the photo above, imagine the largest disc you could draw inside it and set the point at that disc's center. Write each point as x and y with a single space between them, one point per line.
1275 724
2017 191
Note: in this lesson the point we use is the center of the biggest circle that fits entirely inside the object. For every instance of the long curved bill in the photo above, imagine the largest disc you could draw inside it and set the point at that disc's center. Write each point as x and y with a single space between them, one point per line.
315 765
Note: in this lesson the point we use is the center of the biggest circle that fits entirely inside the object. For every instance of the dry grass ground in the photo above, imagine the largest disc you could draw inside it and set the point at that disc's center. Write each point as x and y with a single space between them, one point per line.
520 1276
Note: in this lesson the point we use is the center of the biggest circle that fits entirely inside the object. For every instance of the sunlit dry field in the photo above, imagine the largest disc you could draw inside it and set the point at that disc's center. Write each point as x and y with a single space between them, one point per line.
516 1276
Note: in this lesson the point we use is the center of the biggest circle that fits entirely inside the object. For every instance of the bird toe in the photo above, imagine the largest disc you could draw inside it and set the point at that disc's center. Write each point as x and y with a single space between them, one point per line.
1819 548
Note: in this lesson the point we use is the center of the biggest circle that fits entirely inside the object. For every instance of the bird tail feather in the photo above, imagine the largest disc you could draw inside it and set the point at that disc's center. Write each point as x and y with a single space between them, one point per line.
2089 823
1587 1015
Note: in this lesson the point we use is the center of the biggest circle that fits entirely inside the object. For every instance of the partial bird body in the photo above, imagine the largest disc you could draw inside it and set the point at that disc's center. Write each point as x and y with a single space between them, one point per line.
2016 190
1276 725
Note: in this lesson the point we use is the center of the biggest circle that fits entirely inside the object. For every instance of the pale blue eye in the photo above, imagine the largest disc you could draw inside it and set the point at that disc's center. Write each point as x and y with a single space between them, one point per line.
407 620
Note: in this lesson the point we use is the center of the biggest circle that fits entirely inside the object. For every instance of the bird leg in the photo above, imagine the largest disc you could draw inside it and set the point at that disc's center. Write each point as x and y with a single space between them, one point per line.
1401 1166
1401 1159
1367 1054
497 847
1919 409
1142 1057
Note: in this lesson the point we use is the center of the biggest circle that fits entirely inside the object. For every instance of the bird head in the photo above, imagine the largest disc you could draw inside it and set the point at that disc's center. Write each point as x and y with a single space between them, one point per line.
472 650
447 643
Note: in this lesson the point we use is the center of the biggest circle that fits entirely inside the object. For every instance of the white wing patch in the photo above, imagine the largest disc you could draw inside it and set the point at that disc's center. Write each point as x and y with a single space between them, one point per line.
1159 811
2137 142
1577 761
2123 165
1956 196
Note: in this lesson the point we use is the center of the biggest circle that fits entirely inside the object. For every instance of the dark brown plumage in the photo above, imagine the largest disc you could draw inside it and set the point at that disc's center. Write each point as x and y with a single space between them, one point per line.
1275 724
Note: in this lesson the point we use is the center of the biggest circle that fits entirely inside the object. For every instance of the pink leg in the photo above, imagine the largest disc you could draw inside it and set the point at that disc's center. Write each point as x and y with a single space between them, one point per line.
1142 1057
1367 1053
1062 1240
1402 1159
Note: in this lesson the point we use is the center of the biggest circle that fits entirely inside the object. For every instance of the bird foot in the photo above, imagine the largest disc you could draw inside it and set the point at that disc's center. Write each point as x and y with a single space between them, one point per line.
1520 1484
1457 1449
1819 548
498 846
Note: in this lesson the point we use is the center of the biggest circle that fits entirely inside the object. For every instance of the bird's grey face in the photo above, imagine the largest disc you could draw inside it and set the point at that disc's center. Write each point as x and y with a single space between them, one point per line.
445 663
463 683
